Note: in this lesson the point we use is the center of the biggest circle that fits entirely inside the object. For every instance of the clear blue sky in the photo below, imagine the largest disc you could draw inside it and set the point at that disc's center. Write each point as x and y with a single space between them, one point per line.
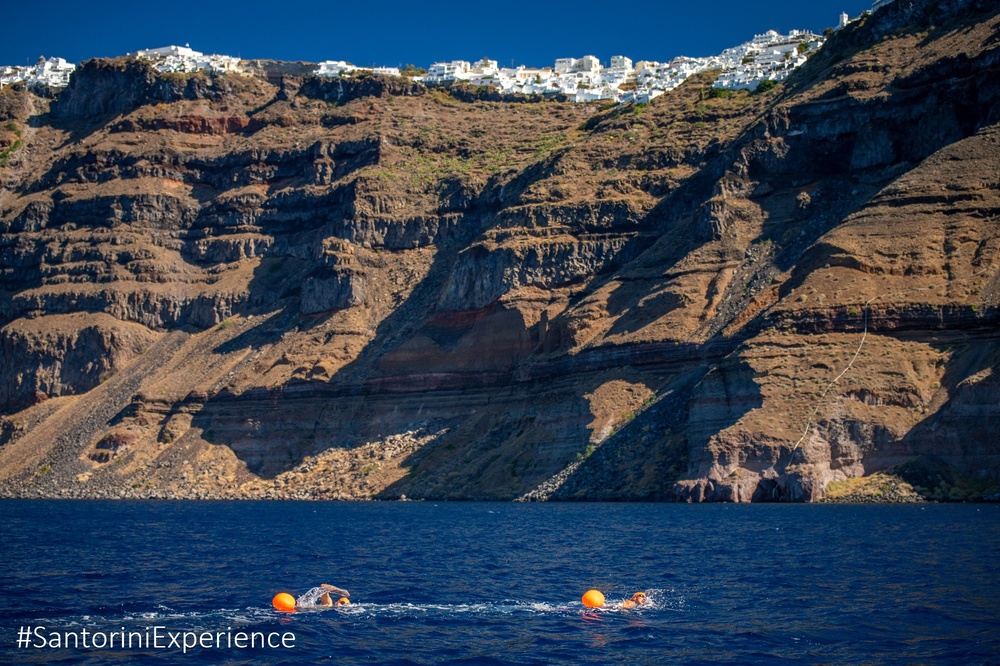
390 32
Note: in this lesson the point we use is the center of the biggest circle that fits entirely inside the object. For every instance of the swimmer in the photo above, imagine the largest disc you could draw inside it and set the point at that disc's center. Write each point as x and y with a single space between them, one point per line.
638 599
320 596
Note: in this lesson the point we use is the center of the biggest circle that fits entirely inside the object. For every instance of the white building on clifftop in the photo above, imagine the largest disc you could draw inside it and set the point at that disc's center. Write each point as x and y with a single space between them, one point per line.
185 59
336 68
53 73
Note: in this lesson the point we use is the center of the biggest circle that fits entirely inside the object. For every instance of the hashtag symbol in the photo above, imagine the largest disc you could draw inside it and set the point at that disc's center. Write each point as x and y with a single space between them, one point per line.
24 637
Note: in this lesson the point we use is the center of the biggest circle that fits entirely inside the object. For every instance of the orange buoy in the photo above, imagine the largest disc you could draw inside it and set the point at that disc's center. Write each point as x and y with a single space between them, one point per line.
593 599
283 602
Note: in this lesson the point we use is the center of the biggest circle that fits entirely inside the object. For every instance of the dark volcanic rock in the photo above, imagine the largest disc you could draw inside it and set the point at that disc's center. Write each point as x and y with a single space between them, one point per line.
345 89
112 86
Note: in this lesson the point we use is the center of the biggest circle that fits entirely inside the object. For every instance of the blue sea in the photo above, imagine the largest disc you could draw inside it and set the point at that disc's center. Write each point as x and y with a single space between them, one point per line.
492 583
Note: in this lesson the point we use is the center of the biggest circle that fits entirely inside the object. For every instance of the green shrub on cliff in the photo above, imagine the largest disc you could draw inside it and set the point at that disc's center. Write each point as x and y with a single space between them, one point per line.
5 155
412 71
765 85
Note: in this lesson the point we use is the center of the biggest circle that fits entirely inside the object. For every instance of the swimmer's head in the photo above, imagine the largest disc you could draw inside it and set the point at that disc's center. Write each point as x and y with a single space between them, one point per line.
343 601
639 598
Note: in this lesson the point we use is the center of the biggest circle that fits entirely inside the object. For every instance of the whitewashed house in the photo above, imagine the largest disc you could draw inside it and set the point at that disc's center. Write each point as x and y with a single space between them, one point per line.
442 72
333 68
167 51
587 63
565 65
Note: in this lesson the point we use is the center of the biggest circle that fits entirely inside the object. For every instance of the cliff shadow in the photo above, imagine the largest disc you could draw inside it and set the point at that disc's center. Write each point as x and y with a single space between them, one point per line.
962 430
544 438
512 438
656 447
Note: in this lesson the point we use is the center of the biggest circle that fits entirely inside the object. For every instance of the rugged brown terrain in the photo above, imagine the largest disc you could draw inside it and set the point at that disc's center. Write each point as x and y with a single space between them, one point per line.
276 286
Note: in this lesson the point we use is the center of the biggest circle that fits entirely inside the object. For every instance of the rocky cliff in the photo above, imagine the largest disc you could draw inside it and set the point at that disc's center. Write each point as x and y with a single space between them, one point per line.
277 286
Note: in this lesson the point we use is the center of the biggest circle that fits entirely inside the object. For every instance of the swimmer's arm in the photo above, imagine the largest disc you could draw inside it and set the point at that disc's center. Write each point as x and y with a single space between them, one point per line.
333 588
310 597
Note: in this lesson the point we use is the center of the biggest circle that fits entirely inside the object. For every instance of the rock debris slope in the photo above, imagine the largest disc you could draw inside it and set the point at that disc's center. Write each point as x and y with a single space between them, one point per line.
279 286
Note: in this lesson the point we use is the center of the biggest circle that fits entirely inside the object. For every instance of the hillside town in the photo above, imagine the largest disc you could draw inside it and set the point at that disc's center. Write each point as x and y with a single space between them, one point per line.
51 73
768 57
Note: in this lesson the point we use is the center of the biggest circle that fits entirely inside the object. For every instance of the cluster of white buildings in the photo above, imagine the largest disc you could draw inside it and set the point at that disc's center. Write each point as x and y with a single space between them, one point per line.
766 57
54 73
582 79
769 56
185 59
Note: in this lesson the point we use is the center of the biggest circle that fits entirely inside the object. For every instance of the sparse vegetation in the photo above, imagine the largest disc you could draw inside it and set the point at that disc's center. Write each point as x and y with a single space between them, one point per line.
411 71
12 148
765 86
184 77
549 142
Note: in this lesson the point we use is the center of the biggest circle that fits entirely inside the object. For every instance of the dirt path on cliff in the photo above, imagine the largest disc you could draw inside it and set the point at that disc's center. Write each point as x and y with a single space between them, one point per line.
59 440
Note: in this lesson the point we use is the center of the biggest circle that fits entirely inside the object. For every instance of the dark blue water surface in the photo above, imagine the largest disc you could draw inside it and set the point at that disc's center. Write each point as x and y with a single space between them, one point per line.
479 583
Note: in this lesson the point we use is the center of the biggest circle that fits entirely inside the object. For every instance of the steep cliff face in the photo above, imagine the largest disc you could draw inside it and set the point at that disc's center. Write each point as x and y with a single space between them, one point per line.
286 287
